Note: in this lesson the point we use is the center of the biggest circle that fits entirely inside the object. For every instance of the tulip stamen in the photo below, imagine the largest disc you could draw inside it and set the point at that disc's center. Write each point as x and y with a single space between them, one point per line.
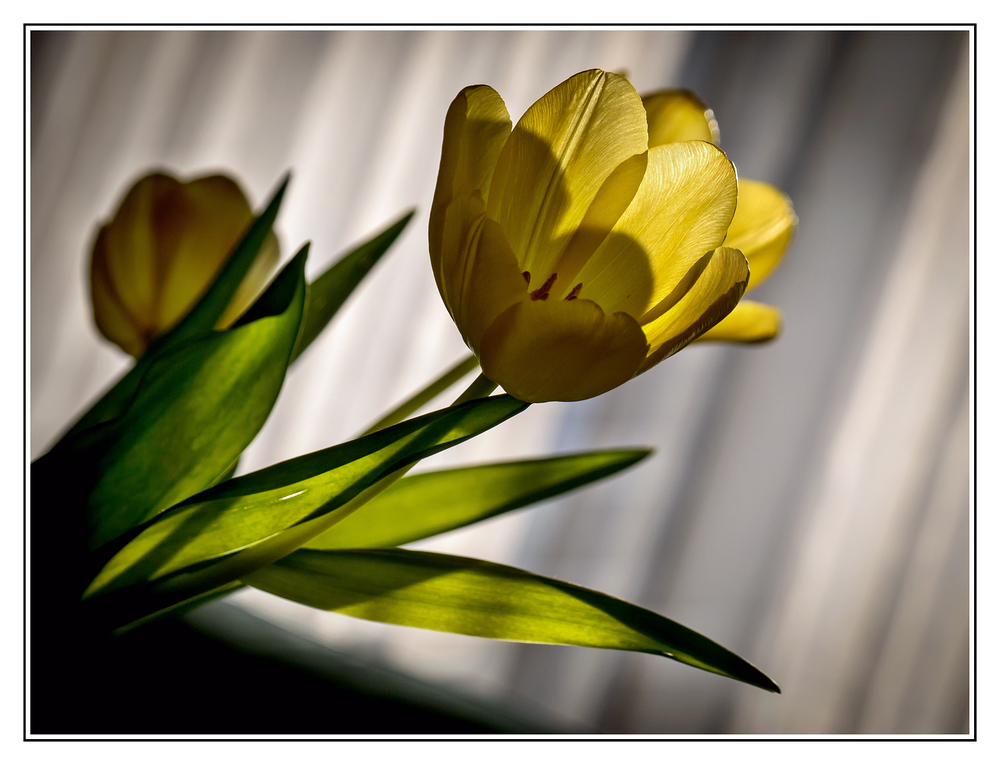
527 277
575 292
542 293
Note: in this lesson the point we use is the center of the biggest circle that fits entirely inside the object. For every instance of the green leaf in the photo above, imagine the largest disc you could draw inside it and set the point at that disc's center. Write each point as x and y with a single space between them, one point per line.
185 606
194 412
251 521
474 597
423 505
329 291
200 319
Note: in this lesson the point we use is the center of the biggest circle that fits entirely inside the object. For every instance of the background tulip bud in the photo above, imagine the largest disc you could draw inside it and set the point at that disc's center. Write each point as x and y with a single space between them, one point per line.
161 250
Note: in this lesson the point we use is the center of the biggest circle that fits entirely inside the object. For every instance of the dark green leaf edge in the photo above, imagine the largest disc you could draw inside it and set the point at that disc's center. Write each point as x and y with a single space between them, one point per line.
351 530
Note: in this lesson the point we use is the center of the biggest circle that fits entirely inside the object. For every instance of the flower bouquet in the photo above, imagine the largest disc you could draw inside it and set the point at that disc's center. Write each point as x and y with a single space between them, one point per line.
575 250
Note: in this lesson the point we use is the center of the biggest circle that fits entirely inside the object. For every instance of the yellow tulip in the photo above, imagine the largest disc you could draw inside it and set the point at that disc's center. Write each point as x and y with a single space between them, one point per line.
572 252
162 249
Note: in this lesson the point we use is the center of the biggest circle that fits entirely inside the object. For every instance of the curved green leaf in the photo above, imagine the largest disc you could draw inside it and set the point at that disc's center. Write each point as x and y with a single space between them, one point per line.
193 414
200 319
329 291
432 503
251 521
474 597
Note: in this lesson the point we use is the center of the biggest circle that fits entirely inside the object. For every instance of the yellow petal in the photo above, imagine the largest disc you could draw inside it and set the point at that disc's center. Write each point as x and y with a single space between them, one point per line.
561 350
475 130
715 292
111 317
678 115
681 212
480 277
132 250
762 227
197 225
461 224
165 244
613 198
558 156
749 322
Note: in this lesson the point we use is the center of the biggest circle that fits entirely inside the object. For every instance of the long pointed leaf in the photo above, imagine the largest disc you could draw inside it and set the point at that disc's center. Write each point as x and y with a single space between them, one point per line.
251 521
432 503
192 416
328 291
201 318
474 597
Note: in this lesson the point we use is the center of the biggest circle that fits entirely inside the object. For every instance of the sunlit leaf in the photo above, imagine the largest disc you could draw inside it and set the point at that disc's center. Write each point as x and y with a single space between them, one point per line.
474 597
192 416
431 503
329 290
253 520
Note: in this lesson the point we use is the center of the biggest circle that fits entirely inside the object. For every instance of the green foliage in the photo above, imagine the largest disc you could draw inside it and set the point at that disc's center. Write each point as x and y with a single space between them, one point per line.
423 505
474 597
138 504
328 291
195 411
255 519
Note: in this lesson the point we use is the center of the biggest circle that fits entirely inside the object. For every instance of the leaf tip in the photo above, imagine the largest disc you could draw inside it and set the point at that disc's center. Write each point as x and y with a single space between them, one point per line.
303 251
279 193
763 682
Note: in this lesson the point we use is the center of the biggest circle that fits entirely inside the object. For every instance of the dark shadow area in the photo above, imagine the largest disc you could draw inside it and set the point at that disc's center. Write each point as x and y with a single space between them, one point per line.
169 678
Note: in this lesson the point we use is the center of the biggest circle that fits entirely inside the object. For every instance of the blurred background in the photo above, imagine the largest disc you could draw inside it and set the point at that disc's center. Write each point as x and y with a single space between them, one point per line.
808 502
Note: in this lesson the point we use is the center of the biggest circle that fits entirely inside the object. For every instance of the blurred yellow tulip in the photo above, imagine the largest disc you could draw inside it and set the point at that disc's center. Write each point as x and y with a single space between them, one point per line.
573 252
162 249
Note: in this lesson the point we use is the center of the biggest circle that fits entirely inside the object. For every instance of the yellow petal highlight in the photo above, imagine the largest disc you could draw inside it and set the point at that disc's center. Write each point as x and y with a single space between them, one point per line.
557 158
681 212
475 130
713 295
762 227
561 350
749 322
613 198
678 115
165 244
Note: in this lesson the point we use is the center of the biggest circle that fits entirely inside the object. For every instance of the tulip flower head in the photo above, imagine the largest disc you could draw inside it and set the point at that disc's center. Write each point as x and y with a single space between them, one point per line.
595 238
162 249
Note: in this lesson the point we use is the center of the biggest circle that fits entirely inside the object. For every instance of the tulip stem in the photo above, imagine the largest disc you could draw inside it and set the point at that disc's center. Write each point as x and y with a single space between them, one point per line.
417 400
